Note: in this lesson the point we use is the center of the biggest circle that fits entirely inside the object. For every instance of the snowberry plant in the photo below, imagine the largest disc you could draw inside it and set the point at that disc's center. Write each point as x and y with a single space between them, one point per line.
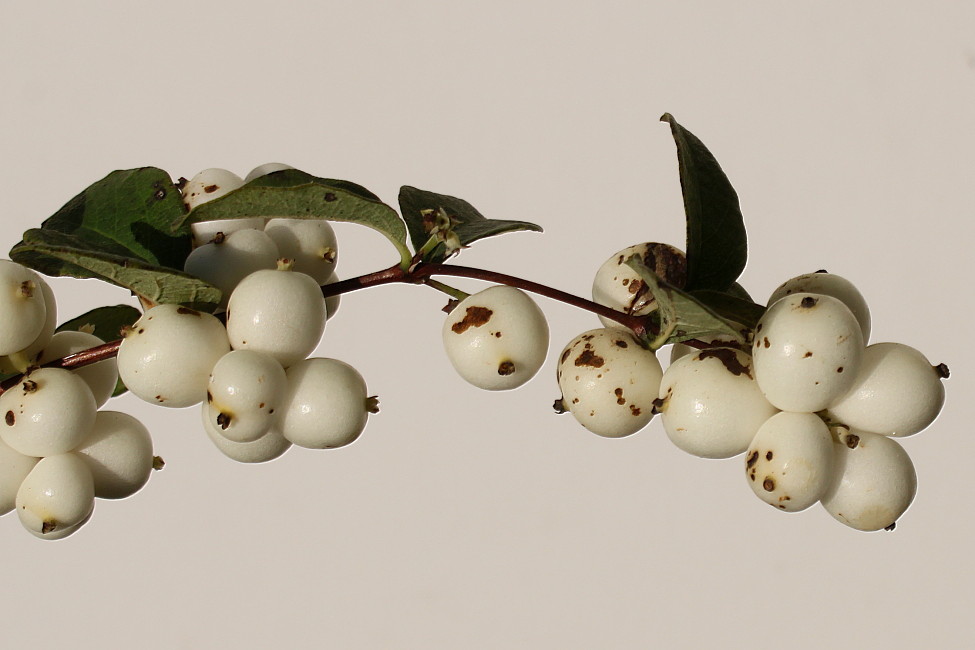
236 278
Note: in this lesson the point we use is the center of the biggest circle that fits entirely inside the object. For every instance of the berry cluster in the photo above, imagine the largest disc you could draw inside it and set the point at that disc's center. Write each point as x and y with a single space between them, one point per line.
58 451
260 393
813 408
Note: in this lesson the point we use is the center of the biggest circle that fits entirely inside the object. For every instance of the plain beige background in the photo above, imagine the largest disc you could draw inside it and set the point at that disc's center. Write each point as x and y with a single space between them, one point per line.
464 519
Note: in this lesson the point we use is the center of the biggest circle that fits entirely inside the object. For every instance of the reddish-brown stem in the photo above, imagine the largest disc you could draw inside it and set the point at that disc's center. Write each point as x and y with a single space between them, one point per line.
419 273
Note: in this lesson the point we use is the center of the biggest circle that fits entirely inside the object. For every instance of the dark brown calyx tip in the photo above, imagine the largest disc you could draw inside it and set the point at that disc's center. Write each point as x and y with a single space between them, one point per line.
892 526
808 302
559 406
942 370
768 484
506 368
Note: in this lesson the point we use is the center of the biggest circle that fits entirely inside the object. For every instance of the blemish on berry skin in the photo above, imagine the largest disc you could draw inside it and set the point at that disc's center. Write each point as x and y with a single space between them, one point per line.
619 396
728 358
186 311
210 189
587 358
766 342
752 459
565 355
759 328
768 484
620 344
9 418
497 335
768 456
840 369
807 355
475 317
209 397
261 405
634 411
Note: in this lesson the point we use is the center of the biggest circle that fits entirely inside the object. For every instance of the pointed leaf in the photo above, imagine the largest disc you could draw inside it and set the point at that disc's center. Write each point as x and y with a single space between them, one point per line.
681 316
128 213
716 241
294 194
470 225
58 254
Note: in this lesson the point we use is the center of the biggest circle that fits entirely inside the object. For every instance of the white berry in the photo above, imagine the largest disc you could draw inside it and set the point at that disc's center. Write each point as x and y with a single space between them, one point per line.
710 404
618 286
609 382
119 454
244 394
790 463
208 185
806 352
897 392
875 484
326 404
58 493
268 447
225 261
496 339
165 358
22 307
101 377
280 313
310 243
50 412
829 284
264 170
14 467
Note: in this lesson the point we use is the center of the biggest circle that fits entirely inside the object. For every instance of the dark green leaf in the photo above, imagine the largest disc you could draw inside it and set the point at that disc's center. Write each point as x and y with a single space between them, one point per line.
294 194
128 213
59 254
716 241
681 316
418 206
106 323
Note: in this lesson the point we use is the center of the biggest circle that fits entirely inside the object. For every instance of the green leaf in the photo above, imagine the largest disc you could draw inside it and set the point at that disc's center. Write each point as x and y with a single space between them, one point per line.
681 316
59 254
716 241
730 306
418 206
294 194
128 213
107 323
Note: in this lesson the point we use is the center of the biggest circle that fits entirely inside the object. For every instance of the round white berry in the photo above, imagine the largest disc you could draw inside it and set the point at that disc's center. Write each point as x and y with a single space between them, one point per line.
790 462
14 467
58 493
497 338
244 394
28 356
828 284
50 412
208 185
897 392
609 382
310 243
268 447
806 352
23 307
332 302
225 261
875 482
618 286
119 454
264 170
101 377
165 358
279 312
710 404
205 232
326 404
